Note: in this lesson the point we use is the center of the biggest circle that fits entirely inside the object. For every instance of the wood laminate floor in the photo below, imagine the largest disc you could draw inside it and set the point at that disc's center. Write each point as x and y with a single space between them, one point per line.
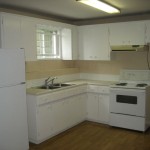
94 136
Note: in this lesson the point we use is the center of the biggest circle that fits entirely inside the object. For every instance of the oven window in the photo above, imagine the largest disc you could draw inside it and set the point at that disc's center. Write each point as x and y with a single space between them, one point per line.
126 99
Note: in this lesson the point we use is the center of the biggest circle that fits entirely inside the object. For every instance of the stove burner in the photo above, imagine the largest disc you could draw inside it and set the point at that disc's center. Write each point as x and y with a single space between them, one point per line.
141 85
122 84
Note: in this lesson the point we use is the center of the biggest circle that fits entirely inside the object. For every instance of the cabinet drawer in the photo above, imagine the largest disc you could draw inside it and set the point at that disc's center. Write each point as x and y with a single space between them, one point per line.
72 91
81 89
58 95
98 89
42 99
103 89
51 97
92 88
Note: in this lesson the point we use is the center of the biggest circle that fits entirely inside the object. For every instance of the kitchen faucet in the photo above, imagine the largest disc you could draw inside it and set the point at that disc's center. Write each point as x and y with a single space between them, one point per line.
48 80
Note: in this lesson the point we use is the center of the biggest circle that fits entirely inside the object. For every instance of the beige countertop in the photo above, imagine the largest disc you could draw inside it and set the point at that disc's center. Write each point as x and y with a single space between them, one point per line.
36 91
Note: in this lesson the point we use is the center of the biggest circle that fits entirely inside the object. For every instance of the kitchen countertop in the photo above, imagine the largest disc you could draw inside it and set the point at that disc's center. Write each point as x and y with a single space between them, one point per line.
36 91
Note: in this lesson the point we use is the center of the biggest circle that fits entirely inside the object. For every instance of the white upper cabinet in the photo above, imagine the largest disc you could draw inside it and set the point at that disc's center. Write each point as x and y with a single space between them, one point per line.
127 33
74 41
18 31
10 31
66 44
147 38
28 36
69 43
93 42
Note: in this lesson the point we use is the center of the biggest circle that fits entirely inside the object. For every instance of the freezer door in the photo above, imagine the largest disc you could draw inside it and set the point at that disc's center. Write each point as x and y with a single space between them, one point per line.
13 118
12 67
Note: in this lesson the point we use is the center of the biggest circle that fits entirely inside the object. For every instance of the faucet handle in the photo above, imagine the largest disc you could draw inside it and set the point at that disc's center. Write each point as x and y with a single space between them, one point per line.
47 79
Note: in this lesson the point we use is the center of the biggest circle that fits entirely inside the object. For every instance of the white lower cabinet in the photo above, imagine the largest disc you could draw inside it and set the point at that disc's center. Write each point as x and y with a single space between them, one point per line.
69 112
104 109
52 113
45 124
81 109
92 106
73 119
98 104
61 114
77 109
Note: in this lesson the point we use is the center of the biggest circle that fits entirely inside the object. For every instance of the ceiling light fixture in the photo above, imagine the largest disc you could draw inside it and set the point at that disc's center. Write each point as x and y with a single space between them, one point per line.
100 5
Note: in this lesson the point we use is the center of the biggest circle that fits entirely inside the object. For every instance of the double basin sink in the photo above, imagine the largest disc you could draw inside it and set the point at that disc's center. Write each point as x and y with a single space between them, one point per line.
55 86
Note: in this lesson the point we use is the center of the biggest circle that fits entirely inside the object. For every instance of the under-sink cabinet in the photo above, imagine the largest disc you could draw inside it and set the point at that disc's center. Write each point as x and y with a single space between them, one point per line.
52 113
43 123
55 112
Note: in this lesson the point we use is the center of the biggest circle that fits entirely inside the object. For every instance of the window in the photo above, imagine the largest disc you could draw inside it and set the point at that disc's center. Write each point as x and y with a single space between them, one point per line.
48 43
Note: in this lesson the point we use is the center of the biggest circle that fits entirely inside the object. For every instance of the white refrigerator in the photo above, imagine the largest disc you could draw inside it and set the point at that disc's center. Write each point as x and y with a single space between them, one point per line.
13 110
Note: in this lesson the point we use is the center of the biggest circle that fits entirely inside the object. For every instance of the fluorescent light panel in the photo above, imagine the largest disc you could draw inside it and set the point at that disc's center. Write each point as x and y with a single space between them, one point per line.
100 5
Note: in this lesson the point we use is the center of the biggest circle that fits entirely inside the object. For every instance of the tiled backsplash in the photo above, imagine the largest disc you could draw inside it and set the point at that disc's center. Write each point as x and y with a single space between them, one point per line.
43 69
119 60
38 71
102 77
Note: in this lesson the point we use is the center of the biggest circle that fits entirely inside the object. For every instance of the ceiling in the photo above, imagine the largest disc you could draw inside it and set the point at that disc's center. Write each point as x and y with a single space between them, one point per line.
74 11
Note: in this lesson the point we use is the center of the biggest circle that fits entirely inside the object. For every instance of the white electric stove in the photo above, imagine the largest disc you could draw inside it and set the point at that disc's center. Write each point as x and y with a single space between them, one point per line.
130 100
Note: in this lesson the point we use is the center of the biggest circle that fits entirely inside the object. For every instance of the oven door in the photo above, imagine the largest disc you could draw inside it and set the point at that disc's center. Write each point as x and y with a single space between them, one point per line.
127 101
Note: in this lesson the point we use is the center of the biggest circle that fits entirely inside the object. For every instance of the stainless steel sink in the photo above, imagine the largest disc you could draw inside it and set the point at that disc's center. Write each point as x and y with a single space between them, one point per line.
62 84
49 87
55 86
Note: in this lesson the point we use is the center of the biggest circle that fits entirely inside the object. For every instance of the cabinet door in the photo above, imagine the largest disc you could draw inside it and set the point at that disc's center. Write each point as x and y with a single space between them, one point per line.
82 107
75 49
127 33
73 110
44 121
77 109
147 24
28 33
11 31
93 42
66 44
60 115
92 107
104 108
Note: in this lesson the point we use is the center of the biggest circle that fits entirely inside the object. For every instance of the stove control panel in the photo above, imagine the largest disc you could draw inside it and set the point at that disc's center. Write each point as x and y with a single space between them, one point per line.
135 75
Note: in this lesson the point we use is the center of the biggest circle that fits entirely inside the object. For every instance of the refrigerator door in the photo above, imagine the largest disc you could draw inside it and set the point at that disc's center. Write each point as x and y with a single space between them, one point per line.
13 118
12 67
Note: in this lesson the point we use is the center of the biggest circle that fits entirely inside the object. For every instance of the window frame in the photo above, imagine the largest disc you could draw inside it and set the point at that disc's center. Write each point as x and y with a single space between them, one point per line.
58 42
